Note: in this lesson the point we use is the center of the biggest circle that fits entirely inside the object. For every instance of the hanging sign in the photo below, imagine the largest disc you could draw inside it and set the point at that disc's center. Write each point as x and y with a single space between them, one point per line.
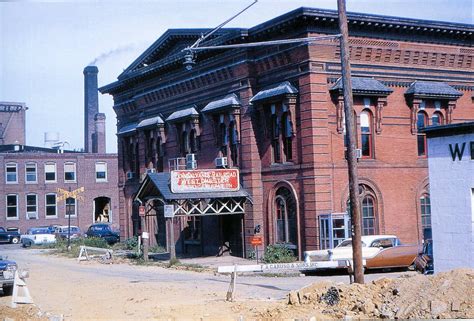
207 180
141 211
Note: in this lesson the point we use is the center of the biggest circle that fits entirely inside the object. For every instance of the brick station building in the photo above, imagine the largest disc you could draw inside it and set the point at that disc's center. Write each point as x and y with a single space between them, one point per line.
276 114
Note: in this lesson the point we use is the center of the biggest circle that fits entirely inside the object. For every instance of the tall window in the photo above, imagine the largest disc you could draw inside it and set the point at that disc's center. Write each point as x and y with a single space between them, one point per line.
425 205
287 136
223 139
193 143
184 143
70 206
421 122
275 132
234 140
11 173
366 130
51 206
159 155
31 206
437 119
368 216
12 207
101 172
285 208
50 173
31 173
69 172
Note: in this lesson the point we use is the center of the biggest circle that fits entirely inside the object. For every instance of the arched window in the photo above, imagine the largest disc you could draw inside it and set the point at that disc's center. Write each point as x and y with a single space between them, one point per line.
184 143
421 122
366 130
285 207
368 209
275 139
425 211
234 140
437 119
287 133
159 155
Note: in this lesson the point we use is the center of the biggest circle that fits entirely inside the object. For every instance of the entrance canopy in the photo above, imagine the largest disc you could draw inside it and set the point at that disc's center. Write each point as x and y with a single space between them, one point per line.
156 186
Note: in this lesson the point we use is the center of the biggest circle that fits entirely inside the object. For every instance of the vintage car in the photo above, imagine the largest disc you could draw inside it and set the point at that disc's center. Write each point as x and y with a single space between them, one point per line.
9 235
105 231
37 236
7 275
62 232
378 251
425 262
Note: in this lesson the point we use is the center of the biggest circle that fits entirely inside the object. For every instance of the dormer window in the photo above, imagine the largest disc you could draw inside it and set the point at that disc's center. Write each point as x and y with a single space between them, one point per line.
188 132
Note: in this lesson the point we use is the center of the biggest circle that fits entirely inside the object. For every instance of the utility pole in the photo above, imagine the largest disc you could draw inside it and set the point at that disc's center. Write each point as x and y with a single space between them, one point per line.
351 146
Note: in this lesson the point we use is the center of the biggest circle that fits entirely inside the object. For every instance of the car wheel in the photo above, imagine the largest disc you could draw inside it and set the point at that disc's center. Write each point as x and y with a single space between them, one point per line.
15 240
7 289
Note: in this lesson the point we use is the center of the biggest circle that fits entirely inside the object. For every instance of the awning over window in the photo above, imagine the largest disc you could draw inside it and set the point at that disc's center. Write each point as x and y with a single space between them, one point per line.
228 102
285 88
432 89
183 114
127 129
363 86
150 122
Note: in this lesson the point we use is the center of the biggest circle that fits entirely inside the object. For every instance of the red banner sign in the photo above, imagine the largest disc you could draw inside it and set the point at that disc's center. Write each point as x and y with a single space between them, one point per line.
207 180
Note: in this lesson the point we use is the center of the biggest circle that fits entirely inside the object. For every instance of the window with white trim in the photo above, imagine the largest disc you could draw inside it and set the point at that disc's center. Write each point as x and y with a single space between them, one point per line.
11 173
31 173
12 207
31 206
101 172
70 172
50 173
51 206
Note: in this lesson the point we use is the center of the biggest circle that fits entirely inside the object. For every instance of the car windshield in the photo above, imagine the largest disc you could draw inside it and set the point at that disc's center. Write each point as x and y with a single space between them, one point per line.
348 243
38 231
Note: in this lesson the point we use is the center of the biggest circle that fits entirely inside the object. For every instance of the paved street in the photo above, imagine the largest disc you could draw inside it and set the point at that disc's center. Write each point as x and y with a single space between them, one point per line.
64 286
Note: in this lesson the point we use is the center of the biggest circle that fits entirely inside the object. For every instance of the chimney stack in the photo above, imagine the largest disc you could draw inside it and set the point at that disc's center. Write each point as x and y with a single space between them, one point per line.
91 106
99 135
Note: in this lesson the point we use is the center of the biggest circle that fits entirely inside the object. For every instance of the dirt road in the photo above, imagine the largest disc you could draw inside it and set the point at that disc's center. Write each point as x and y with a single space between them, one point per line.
90 290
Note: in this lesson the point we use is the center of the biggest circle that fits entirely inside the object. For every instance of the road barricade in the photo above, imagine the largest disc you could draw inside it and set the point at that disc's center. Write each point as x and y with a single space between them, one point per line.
107 257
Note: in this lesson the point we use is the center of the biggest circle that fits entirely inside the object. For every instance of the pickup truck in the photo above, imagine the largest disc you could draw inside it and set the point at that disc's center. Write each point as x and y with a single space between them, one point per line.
7 275
9 236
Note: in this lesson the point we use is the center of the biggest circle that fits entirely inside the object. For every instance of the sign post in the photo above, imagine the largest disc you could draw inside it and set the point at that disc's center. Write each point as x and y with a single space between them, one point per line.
169 215
65 194
145 236
256 241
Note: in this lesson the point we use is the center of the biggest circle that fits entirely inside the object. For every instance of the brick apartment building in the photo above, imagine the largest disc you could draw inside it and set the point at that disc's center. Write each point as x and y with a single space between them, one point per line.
276 114
30 177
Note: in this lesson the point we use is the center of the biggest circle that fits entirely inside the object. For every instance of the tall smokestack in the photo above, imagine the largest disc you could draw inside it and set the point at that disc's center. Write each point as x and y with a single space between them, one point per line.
91 105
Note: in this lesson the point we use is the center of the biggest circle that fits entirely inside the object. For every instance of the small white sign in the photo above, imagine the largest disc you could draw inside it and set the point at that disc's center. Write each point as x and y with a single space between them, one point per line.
169 211
145 235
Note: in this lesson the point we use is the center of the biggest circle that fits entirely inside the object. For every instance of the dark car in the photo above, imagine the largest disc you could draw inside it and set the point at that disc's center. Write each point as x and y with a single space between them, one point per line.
7 275
425 261
104 231
9 236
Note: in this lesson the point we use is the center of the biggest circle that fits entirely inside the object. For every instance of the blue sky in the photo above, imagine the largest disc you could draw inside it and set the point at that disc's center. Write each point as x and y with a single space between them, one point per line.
46 45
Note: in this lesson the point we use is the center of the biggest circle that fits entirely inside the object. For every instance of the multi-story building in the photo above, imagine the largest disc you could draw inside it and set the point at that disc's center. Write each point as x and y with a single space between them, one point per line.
276 114
35 182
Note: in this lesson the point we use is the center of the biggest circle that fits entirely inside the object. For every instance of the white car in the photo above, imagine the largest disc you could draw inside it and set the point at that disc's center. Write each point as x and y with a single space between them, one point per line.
378 251
37 236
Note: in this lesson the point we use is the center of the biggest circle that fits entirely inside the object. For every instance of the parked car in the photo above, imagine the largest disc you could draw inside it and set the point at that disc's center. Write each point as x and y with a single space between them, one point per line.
62 232
378 251
37 236
424 261
7 275
104 231
7 236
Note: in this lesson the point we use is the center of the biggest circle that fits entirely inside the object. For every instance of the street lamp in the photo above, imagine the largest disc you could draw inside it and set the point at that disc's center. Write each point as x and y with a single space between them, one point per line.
189 62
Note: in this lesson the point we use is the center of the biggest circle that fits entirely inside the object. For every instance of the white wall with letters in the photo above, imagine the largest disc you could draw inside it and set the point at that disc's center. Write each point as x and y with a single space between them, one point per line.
452 200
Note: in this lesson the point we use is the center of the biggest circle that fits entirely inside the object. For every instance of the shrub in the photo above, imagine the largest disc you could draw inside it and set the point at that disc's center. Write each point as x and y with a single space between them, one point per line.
174 261
94 242
129 244
278 254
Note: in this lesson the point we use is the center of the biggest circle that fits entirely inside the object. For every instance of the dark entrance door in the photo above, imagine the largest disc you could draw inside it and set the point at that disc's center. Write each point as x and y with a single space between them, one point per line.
231 235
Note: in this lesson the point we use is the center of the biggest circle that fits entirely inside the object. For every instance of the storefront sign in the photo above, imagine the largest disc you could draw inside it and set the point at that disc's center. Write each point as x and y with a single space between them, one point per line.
208 180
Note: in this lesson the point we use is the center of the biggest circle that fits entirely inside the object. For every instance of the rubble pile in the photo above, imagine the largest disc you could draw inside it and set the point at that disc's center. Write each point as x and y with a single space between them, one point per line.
446 295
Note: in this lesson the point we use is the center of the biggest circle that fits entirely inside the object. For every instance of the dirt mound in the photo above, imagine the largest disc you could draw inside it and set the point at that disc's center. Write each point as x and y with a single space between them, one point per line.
22 312
446 295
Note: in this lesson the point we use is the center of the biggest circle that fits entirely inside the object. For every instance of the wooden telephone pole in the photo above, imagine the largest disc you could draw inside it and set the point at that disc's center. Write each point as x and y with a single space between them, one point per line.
351 146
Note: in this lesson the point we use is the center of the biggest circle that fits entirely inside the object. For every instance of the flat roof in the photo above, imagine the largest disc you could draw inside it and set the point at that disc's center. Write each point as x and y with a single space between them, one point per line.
449 130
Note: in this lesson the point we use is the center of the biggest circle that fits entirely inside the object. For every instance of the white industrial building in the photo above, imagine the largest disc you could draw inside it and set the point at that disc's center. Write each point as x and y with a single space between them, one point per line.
451 175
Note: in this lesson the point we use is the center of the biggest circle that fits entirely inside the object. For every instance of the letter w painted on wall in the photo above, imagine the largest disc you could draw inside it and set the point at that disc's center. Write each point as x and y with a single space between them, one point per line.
456 152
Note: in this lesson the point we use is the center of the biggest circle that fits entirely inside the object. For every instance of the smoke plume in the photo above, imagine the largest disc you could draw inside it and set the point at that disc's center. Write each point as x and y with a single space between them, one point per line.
110 53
